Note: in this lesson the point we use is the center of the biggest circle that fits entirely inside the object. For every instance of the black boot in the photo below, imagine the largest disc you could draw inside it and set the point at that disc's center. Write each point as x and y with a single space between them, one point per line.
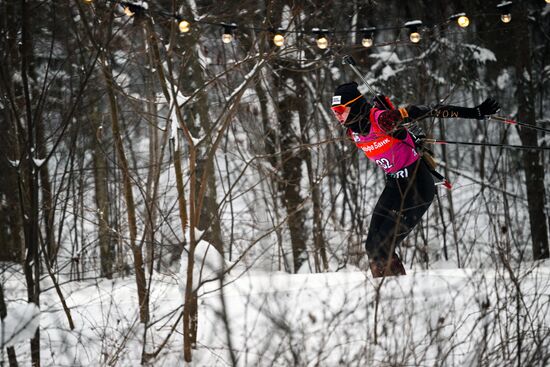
387 267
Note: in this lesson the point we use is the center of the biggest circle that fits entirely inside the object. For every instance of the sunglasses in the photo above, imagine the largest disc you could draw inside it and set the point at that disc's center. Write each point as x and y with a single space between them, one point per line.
342 110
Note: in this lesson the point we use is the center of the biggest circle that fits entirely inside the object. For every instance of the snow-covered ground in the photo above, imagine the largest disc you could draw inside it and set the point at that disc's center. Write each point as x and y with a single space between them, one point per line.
451 317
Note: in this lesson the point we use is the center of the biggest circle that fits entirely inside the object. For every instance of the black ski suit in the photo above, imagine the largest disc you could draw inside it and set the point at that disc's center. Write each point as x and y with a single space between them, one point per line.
377 129
404 200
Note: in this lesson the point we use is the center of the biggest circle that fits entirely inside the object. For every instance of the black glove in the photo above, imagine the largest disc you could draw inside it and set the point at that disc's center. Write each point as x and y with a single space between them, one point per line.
486 108
418 135
416 132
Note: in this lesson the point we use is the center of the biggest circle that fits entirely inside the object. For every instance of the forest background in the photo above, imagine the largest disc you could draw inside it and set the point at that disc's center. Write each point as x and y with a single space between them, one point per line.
130 147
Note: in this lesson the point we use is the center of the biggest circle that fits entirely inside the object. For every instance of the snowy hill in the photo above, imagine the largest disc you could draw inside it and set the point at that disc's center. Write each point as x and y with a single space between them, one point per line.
451 317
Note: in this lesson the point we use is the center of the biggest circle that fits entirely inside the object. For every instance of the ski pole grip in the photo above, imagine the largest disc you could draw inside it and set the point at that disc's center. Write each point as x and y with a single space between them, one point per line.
347 59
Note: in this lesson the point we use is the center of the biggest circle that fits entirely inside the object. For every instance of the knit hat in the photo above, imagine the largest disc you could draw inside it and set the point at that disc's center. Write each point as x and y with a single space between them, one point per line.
346 93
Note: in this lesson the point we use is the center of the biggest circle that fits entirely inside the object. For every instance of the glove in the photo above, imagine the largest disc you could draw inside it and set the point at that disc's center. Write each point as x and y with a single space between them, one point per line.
416 132
389 120
486 108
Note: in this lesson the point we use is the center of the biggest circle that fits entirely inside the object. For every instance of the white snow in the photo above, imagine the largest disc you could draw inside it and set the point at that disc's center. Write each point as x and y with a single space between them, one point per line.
413 23
387 56
38 162
504 80
209 263
387 73
20 323
451 317
481 54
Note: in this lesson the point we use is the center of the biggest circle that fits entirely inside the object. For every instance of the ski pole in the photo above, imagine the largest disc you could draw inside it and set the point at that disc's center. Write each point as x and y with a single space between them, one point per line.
348 60
508 146
514 122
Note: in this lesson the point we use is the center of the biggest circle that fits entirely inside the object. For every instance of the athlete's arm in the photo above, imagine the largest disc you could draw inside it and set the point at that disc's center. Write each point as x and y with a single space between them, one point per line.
486 108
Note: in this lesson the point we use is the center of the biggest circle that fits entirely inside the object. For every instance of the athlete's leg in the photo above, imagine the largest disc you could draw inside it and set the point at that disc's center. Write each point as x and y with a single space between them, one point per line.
397 212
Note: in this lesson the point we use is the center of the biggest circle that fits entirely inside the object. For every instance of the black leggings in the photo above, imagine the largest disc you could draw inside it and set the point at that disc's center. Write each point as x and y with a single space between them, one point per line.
399 209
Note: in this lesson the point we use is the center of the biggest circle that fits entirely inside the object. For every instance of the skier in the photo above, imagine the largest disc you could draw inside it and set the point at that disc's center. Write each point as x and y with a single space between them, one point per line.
377 129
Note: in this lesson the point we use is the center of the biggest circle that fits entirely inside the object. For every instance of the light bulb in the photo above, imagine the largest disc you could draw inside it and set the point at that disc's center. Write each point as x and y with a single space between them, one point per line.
227 38
88 1
184 26
367 42
128 11
505 9
278 40
547 1
463 21
368 36
228 29
506 18
414 37
322 42
413 27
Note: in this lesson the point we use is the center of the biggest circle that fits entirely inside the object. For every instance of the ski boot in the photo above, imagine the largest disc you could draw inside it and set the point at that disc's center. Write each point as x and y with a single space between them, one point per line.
385 268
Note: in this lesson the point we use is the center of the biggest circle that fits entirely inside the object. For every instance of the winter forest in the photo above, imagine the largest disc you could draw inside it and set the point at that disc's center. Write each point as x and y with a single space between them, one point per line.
175 189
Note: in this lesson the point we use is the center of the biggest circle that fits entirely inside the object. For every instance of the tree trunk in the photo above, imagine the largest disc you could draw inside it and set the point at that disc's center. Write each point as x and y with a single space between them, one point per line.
47 199
291 171
12 358
30 188
320 253
532 159
102 200
139 268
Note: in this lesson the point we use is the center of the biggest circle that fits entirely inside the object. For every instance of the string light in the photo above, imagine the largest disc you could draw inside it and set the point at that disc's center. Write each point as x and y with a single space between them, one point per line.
461 19
368 37
415 37
228 29
131 8
184 26
128 11
139 7
321 40
279 38
413 26
505 11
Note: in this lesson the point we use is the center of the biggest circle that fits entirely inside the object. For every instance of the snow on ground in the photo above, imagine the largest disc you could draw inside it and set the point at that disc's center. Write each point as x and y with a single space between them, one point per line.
452 317
20 323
